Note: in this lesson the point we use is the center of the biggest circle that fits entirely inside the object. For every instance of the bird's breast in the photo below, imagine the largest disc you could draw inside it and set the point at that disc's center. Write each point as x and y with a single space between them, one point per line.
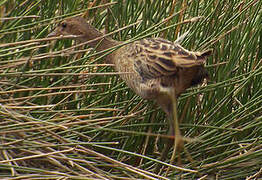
124 60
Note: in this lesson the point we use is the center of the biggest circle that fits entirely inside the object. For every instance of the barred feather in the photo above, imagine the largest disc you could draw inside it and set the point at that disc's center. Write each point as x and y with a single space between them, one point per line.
158 57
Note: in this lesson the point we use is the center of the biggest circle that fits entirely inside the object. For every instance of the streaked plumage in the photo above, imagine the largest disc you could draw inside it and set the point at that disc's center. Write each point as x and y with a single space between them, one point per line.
157 69
155 61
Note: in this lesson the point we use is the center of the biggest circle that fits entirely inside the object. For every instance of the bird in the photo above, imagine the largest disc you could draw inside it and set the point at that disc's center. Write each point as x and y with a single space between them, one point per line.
154 68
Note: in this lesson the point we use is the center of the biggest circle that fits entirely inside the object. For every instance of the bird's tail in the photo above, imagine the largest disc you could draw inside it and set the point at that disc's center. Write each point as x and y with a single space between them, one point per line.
204 54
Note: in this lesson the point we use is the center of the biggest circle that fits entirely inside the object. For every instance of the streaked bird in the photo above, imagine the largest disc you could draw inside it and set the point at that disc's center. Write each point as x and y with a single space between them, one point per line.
153 68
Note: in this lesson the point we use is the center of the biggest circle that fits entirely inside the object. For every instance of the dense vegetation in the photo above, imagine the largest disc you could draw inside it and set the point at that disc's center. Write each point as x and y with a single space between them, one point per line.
64 113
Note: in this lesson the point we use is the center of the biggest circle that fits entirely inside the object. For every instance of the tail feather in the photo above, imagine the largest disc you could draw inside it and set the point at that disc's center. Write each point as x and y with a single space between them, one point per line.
204 54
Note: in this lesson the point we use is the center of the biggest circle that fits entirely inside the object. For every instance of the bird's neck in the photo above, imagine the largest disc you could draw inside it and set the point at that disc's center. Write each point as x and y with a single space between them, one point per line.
99 42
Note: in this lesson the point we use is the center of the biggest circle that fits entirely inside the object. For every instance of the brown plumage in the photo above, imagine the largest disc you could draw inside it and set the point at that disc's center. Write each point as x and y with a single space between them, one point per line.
157 69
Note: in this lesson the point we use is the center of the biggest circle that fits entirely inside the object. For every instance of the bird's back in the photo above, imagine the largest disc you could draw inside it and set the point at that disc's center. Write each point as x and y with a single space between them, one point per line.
162 62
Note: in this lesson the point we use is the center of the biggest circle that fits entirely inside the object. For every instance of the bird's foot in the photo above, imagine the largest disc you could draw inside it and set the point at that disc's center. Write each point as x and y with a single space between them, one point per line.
177 142
178 148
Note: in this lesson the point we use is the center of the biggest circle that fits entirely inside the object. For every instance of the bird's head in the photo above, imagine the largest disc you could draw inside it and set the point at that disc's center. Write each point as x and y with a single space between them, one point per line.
75 26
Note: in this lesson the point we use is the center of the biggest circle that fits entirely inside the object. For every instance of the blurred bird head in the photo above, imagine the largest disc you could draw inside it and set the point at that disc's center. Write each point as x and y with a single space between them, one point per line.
75 26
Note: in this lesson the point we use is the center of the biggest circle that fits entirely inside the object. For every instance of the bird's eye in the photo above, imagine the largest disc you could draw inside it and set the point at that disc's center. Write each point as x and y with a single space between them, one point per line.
63 25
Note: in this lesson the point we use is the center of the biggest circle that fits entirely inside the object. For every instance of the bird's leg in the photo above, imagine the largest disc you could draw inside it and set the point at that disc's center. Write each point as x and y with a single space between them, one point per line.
170 107
166 98
175 131
168 145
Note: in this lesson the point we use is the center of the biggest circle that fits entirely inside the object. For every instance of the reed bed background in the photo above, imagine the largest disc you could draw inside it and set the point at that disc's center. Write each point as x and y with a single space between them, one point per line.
65 114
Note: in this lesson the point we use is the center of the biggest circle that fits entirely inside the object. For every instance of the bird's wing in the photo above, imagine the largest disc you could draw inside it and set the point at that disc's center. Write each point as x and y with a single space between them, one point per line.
156 57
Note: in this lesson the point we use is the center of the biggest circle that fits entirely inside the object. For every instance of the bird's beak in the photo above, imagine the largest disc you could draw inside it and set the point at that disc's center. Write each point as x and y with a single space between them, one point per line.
52 34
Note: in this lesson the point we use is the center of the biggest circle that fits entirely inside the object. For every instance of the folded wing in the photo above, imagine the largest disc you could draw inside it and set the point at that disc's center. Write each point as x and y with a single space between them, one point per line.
157 57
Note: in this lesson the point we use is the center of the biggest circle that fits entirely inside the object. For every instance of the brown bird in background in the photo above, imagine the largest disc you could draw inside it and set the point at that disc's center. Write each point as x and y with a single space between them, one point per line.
156 68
